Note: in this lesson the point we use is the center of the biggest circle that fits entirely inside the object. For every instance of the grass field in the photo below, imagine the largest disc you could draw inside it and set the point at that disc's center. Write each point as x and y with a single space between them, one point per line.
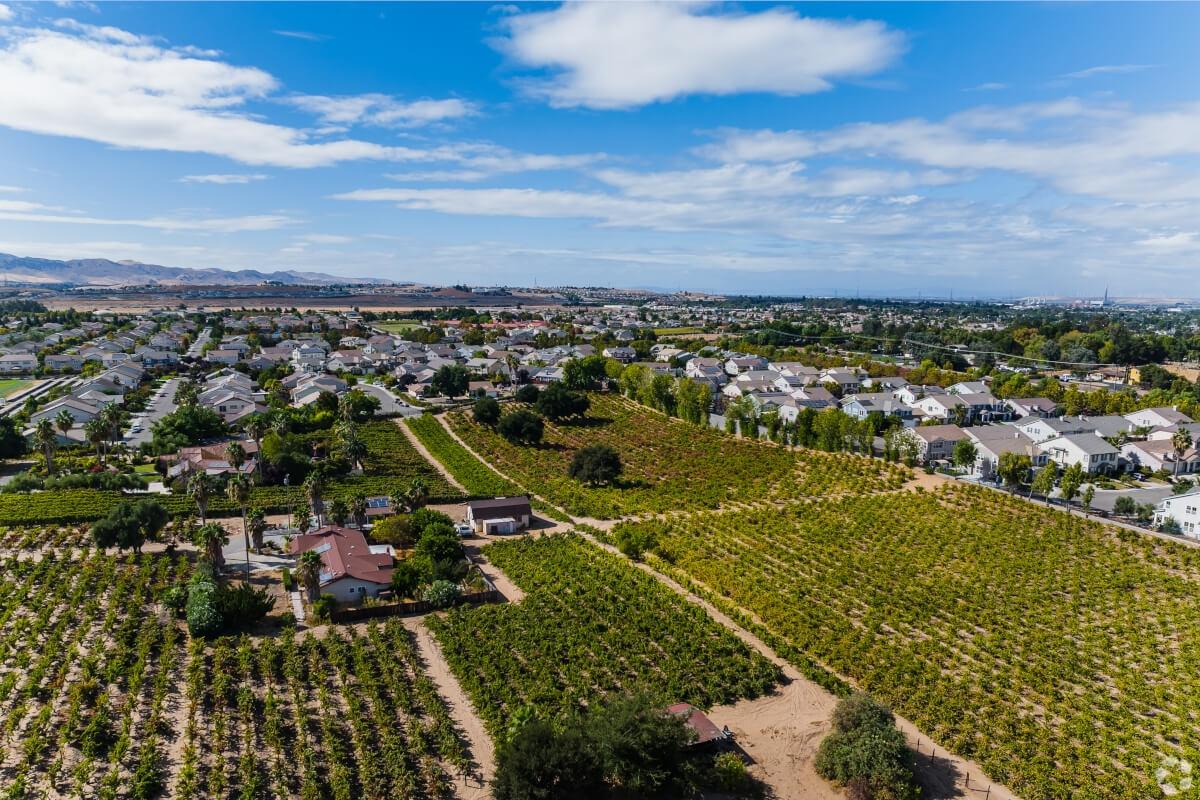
677 331
1062 656
398 326
590 624
10 386
669 465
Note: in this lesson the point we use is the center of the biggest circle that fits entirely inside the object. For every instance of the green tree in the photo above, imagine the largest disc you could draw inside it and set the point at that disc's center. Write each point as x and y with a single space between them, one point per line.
1043 481
543 762
314 490
47 441
964 453
201 486
257 520
527 394
237 489
1181 442
209 539
1012 469
595 465
339 512
1069 483
558 402
451 380
64 421
308 572
521 427
486 411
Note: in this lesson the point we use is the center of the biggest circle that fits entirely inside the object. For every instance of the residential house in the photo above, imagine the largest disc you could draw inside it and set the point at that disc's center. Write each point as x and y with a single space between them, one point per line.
1042 407
66 362
18 363
1088 450
211 459
993 441
1184 509
1153 455
934 442
626 355
351 569
1158 417
861 406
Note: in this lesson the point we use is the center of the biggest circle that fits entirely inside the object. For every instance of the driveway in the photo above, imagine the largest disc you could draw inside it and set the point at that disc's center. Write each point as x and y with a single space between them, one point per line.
161 404
201 340
388 402
235 550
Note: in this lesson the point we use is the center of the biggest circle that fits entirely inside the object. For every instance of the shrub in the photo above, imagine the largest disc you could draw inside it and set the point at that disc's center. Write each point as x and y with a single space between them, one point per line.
407 577
634 541
865 747
289 583
398 531
442 594
324 607
730 774
203 616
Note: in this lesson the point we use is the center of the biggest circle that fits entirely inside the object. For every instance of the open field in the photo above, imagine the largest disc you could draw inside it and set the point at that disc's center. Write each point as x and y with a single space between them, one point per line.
9 386
1059 654
677 331
669 465
590 624
397 326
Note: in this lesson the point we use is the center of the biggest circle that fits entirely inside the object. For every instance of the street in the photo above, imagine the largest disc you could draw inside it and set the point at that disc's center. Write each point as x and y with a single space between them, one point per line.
160 405
388 402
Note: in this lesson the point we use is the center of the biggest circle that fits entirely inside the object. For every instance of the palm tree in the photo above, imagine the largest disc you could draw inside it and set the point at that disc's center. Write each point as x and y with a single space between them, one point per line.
358 508
64 421
238 492
257 522
235 454
1181 442
209 539
308 572
45 438
417 493
200 487
256 427
96 432
113 417
355 451
338 512
314 487
302 520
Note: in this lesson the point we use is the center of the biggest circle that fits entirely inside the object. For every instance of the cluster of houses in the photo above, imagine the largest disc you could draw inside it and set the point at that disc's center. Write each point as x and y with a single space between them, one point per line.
87 400
1144 440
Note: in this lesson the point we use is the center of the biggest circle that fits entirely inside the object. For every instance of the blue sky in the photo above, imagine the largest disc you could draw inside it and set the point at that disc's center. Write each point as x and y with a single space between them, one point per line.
993 149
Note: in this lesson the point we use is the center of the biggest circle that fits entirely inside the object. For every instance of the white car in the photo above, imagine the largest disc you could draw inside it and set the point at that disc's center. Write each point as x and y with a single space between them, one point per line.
463 529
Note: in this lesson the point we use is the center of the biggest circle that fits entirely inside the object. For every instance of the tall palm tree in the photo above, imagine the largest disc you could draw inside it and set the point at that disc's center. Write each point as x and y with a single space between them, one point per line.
339 512
238 492
209 539
308 572
1181 442
358 508
45 438
200 487
314 488
257 427
417 493
235 454
97 433
114 417
64 421
355 450
257 522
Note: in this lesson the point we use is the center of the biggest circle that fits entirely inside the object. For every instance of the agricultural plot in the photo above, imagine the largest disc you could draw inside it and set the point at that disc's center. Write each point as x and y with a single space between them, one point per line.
590 624
670 465
86 672
346 716
1061 655
479 480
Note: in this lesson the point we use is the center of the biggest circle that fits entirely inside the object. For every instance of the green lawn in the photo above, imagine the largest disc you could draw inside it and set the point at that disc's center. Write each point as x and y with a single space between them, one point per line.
398 326
11 386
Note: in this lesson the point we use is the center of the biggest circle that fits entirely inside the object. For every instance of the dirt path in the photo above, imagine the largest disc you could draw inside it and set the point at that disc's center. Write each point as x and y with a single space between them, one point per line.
428 456
474 547
465 788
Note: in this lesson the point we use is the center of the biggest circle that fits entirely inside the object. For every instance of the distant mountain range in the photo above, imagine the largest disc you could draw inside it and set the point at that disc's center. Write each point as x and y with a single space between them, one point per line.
102 272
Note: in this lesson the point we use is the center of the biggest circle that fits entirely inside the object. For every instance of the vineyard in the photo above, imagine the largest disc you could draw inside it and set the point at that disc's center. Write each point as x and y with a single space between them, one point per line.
103 696
669 464
391 454
466 468
86 672
346 716
1062 656
590 624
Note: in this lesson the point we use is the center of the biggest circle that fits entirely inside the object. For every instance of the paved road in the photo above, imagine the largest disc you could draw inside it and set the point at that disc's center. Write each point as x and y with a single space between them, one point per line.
1106 498
388 402
160 405
201 340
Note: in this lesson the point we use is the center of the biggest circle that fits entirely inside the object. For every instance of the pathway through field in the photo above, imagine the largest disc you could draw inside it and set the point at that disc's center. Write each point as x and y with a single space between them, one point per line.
781 731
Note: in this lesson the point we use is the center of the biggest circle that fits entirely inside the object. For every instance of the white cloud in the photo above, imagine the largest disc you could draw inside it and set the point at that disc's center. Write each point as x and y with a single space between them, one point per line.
223 178
382 109
623 55
11 189
32 212
305 35
1117 155
110 86
5 13
1173 243
325 238
991 86
1108 69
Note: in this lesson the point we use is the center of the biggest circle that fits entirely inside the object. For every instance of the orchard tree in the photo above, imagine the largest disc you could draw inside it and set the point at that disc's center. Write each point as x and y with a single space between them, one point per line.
521 427
486 411
451 380
596 465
